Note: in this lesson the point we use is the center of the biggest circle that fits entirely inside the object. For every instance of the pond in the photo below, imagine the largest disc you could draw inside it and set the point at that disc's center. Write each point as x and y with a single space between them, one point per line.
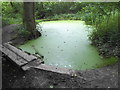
66 44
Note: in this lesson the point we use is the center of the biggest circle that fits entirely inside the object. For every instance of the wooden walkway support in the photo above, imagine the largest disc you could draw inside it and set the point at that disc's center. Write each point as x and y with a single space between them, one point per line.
26 61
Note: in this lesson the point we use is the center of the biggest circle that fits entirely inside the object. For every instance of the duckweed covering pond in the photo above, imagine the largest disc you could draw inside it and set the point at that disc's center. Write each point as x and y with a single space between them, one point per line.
66 44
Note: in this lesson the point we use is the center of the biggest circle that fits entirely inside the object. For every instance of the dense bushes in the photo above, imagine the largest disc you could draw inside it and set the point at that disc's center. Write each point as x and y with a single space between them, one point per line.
106 36
7 21
104 19
46 9
11 13
65 17
22 32
107 31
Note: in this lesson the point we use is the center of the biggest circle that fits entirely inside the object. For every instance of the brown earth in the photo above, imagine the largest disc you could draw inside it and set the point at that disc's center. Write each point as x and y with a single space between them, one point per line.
13 77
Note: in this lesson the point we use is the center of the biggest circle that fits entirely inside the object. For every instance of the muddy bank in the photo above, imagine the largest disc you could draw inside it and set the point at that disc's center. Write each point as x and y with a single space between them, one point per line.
106 77
16 34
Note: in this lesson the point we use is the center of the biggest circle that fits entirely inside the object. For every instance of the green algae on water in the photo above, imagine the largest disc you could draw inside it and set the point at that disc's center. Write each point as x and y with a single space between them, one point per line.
66 44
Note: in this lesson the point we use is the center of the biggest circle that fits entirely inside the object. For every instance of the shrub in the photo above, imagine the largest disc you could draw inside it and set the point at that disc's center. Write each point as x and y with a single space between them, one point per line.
65 17
5 22
22 32
107 33
11 15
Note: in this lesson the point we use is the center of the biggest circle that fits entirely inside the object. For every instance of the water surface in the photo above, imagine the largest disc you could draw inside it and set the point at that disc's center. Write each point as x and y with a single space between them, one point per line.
66 44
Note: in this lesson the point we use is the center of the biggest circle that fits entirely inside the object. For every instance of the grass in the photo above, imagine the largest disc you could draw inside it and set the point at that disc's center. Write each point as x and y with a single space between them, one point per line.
8 21
108 62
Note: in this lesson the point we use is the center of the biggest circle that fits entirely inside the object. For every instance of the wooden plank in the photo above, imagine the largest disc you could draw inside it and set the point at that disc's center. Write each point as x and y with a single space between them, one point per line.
18 60
36 63
32 64
20 53
56 69
21 60
1 47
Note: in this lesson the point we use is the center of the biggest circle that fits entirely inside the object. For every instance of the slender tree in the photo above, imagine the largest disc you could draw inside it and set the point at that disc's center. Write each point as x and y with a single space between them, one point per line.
11 4
29 19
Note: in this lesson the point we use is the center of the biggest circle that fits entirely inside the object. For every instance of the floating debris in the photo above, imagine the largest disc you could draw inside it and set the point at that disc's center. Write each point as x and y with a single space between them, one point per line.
51 86
56 64
69 65
23 77
75 75
37 52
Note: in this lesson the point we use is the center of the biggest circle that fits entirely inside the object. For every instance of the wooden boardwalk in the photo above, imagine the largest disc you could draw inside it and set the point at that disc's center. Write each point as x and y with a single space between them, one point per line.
26 61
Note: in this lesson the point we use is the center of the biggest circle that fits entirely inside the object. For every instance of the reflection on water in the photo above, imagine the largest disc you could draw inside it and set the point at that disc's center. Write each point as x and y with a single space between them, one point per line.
65 44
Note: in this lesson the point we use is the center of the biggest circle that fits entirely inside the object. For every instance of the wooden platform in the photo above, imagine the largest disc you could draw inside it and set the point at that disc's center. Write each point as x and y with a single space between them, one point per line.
26 61
56 69
18 56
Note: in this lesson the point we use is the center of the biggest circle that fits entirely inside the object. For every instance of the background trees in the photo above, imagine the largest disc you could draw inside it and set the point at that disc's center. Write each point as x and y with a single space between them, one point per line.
9 14
102 16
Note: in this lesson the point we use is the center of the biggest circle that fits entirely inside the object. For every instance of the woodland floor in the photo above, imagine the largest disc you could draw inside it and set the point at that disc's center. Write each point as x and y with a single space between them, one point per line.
13 77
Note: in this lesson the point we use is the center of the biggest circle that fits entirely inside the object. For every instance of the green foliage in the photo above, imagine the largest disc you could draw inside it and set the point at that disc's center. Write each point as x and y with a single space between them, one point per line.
107 34
108 62
38 21
49 9
22 32
107 28
7 21
94 13
65 17
104 19
11 15
102 16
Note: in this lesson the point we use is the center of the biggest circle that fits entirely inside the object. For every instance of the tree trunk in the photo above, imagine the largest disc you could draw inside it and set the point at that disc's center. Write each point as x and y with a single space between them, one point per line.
11 4
29 19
